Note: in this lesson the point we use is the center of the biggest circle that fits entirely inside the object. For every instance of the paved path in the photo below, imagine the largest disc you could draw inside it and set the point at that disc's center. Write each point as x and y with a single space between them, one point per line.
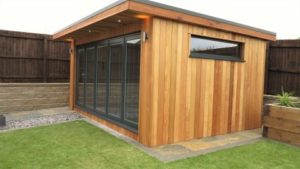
205 145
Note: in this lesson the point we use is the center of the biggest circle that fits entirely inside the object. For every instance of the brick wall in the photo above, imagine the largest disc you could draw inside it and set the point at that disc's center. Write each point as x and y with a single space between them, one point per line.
16 97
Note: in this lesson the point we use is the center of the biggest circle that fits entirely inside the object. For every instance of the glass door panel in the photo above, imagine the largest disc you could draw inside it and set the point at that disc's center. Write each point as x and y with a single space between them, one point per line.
108 79
133 44
90 78
81 75
116 79
102 73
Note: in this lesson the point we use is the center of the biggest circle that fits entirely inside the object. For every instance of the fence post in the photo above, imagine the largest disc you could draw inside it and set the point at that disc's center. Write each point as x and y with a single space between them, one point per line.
267 68
45 57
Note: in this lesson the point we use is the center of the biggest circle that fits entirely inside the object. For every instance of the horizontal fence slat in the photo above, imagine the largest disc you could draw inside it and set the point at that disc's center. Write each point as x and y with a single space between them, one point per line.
32 77
20 57
284 71
59 59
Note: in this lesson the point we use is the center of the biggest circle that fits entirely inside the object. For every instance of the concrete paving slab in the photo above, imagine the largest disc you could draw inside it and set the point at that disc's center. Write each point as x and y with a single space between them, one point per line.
196 145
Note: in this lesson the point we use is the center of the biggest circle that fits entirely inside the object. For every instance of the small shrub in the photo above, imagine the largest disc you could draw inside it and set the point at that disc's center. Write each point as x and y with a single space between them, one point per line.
285 99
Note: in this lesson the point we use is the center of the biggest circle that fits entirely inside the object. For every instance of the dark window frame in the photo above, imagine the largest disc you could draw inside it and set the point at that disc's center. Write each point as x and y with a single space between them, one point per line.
215 56
122 122
126 39
78 49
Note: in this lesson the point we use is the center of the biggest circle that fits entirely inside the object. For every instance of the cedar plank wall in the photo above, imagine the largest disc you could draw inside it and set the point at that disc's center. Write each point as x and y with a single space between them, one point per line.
184 98
145 85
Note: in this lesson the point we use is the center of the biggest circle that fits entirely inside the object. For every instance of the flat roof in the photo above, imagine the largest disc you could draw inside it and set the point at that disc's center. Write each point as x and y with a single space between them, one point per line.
93 14
202 15
169 8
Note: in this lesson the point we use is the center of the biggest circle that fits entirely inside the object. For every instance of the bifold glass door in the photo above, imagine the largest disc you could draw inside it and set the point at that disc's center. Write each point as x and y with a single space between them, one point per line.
108 79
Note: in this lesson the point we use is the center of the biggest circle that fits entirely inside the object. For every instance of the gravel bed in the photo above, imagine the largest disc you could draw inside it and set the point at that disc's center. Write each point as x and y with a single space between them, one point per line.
40 121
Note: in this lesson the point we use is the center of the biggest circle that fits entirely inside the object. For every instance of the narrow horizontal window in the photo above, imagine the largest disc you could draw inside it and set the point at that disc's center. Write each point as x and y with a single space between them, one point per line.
203 47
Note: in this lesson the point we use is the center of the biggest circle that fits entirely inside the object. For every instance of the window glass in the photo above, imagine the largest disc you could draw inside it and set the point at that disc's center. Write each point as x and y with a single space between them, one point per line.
108 79
102 72
115 81
214 49
132 79
90 77
81 75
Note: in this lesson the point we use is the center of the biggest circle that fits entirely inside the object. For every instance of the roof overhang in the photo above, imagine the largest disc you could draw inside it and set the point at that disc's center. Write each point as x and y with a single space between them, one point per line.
130 11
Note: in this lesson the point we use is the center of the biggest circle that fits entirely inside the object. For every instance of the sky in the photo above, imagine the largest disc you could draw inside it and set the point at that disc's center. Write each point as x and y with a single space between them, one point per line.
50 16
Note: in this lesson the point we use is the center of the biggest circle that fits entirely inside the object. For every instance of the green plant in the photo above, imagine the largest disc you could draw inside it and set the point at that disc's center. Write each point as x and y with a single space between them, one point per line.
285 99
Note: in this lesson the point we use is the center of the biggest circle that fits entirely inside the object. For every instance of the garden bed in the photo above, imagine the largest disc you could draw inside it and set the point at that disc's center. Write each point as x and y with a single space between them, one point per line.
282 123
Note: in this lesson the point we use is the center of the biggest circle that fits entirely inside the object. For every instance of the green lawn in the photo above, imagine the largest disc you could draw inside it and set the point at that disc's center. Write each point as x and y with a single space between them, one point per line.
81 145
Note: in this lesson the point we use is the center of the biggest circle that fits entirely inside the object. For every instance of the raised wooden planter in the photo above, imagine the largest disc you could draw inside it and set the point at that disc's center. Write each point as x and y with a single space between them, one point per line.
282 124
